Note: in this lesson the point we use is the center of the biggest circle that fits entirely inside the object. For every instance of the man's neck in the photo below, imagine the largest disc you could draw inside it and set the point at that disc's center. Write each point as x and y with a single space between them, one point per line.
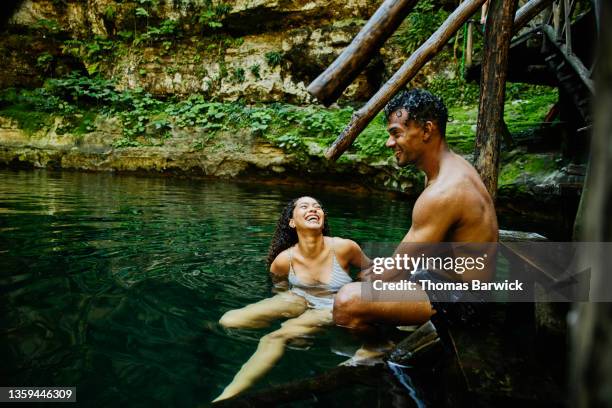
311 244
432 159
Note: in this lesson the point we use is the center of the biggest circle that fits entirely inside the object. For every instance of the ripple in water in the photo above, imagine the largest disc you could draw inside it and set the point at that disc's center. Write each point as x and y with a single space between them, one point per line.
115 284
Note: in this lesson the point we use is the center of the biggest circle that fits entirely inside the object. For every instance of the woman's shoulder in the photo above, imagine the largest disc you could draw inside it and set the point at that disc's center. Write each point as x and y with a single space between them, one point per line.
280 265
344 245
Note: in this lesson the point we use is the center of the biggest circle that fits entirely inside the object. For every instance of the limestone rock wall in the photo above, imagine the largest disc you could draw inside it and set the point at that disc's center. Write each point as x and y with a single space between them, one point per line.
242 156
258 50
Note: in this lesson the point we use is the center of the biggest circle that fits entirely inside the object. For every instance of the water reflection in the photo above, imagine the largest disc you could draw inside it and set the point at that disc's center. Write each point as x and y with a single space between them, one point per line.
115 284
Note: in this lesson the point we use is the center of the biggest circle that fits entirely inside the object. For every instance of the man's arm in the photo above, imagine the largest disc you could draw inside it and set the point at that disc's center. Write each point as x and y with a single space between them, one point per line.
433 216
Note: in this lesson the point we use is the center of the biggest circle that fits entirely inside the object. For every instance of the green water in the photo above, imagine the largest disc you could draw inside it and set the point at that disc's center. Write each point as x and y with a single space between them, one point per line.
115 284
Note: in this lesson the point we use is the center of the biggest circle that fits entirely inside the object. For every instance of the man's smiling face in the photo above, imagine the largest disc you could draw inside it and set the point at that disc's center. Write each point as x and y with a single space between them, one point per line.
405 137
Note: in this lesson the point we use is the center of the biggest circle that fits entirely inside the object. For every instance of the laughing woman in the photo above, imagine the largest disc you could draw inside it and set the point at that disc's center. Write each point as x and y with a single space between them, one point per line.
315 265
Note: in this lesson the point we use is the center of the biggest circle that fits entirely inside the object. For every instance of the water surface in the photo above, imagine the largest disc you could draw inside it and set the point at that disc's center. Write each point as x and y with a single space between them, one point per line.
114 284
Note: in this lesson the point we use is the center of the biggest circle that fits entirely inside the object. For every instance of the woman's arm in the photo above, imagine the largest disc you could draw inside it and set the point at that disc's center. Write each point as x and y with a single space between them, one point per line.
279 269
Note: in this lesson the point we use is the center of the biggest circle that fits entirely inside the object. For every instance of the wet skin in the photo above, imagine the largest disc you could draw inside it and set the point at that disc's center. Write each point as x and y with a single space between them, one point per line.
312 260
454 207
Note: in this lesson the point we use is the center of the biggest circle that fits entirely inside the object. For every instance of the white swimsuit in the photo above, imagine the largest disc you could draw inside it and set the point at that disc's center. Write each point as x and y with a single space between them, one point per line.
319 296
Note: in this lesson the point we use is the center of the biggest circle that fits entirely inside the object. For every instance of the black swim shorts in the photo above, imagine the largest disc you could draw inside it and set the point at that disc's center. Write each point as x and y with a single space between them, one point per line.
453 307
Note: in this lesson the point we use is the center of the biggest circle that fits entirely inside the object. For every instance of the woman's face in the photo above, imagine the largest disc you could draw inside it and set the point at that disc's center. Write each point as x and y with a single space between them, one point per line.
307 214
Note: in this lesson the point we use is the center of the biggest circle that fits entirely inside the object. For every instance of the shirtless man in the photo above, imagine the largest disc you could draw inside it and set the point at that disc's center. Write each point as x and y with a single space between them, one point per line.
454 207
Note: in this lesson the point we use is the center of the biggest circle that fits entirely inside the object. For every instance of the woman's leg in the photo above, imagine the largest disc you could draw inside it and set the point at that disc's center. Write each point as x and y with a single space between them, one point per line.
260 314
271 348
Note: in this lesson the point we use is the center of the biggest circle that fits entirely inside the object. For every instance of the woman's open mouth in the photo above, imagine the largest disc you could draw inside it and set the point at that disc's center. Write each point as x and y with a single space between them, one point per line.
312 218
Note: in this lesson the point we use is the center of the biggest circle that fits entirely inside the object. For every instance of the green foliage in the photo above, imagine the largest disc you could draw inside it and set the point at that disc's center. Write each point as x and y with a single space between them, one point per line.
526 165
212 16
28 120
168 29
454 91
255 71
83 92
519 114
424 19
47 26
125 35
141 12
44 61
527 105
299 130
91 51
371 143
110 13
238 75
274 58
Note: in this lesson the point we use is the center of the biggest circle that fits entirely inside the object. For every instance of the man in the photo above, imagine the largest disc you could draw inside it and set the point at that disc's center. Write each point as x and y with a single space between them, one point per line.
454 207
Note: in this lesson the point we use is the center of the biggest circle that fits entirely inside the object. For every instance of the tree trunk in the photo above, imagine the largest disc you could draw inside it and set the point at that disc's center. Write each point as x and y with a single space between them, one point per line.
591 357
490 127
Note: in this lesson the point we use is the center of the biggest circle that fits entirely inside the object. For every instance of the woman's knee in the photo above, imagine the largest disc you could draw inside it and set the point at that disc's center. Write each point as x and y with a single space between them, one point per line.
235 320
346 305
277 336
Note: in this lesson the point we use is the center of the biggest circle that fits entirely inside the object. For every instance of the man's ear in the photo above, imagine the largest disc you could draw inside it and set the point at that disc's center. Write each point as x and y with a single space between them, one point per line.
428 128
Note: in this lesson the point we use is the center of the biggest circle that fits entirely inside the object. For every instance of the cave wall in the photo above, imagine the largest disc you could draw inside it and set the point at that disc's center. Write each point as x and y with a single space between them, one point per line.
256 50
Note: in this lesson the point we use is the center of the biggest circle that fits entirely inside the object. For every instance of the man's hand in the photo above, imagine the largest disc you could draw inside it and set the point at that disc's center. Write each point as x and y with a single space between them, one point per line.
366 275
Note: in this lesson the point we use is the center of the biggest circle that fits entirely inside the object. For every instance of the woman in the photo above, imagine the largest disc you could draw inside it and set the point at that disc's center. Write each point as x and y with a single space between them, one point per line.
315 266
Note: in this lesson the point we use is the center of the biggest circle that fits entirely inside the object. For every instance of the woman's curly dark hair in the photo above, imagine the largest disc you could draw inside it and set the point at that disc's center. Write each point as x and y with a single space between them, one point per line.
285 236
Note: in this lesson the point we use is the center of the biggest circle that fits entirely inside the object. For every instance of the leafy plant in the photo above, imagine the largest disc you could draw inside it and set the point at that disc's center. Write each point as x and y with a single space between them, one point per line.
91 52
212 16
454 91
141 12
43 62
110 13
47 26
273 58
424 19
238 75
255 71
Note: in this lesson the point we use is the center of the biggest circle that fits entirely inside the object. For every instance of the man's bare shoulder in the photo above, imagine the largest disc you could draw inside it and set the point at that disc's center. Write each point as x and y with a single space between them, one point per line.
457 189
439 195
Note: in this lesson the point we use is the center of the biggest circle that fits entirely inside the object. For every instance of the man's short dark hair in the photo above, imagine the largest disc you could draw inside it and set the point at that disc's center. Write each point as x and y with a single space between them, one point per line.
422 106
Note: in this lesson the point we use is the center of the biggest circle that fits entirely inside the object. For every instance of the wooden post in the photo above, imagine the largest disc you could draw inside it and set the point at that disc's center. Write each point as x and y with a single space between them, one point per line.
568 25
557 18
489 128
407 71
328 86
469 45
591 328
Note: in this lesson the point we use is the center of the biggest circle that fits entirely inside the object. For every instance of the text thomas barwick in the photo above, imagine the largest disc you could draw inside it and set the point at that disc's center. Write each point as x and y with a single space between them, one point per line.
425 284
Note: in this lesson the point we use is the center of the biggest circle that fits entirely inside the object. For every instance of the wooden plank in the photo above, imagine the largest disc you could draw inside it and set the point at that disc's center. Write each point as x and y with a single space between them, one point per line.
362 118
489 127
574 61
526 13
328 86
408 70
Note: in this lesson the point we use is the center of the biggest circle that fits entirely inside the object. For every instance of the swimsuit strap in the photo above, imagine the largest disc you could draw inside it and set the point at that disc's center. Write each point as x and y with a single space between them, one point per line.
334 259
290 259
